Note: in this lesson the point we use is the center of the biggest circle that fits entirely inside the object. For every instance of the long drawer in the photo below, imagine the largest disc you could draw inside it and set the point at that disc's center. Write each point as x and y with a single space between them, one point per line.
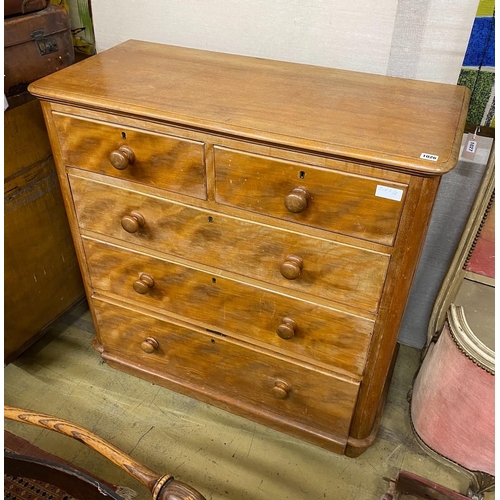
158 160
286 324
364 207
333 271
229 371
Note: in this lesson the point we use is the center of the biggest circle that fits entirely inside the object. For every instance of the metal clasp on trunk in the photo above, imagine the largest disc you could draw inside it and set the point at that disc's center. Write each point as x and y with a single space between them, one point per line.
45 45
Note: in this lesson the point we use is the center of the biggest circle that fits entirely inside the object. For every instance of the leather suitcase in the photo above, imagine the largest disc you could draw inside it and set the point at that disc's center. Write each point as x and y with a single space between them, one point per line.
18 7
36 45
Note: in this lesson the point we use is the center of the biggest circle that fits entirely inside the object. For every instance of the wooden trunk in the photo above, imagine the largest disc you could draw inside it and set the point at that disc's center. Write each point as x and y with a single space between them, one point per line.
249 229
42 279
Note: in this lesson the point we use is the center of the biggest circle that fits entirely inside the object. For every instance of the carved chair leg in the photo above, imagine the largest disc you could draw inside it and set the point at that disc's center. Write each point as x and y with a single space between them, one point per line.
162 487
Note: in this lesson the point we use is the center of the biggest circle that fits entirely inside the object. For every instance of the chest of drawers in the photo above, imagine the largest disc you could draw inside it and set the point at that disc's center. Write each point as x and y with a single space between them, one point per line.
248 229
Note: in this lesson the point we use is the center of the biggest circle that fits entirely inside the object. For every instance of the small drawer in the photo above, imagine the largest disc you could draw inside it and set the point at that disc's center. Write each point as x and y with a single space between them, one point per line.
323 268
227 371
281 322
354 205
158 160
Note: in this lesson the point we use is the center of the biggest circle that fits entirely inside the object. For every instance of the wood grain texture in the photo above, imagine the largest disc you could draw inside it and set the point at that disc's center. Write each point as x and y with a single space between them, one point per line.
162 487
338 202
370 117
228 371
68 203
233 307
25 138
296 240
341 273
42 278
421 196
163 161
260 148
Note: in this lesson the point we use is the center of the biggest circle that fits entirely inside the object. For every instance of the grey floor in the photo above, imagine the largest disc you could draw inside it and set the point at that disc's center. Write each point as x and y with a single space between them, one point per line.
222 455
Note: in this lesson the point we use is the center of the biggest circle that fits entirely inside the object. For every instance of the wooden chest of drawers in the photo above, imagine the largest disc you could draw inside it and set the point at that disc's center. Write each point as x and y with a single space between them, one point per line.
248 229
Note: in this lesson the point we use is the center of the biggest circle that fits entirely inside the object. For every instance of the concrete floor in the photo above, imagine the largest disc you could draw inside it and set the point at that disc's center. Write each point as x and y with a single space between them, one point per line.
222 455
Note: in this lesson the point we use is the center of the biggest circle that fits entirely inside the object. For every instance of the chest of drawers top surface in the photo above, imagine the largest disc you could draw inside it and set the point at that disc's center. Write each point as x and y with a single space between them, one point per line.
366 117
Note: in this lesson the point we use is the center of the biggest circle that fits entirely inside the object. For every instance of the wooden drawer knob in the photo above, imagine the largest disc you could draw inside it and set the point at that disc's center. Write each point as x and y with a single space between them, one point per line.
298 200
122 157
132 222
281 389
292 267
287 329
144 283
149 345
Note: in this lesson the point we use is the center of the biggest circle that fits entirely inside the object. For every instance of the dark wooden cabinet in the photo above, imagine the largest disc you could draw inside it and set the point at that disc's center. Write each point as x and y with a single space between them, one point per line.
41 274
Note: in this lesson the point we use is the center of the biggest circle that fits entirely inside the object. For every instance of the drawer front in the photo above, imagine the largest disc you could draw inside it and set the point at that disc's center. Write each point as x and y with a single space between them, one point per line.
288 325
326 269
229 371
158 160
333 200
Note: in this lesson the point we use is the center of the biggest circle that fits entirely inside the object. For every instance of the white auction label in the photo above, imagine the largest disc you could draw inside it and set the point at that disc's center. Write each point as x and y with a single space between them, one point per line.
427 156
389 193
